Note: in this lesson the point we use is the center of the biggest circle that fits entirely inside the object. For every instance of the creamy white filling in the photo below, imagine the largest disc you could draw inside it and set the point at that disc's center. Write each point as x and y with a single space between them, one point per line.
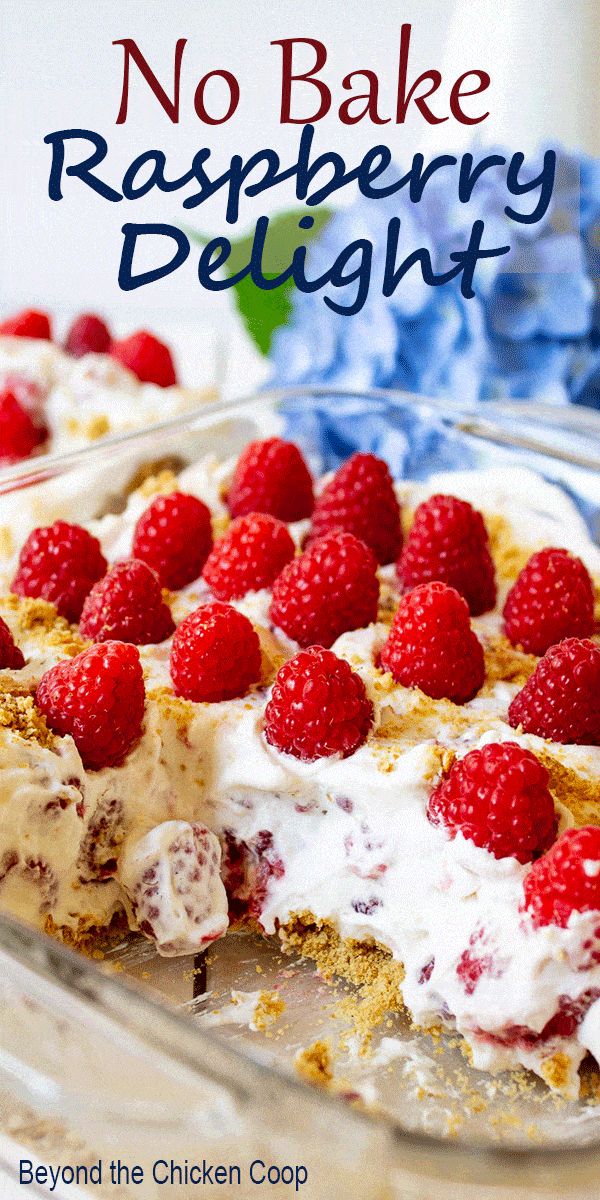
349 840
538 512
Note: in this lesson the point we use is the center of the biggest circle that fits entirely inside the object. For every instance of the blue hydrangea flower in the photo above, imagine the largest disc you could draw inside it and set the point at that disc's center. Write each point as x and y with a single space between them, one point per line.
422 338
532 330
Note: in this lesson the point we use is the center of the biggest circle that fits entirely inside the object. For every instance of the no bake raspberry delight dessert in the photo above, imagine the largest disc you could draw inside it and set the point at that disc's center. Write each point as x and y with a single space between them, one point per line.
55 398
363 715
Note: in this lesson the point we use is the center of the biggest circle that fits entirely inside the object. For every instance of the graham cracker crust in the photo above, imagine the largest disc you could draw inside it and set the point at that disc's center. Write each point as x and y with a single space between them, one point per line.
368 965
88 937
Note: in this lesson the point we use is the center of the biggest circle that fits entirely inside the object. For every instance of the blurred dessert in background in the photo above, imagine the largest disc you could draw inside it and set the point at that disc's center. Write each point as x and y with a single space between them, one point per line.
60 396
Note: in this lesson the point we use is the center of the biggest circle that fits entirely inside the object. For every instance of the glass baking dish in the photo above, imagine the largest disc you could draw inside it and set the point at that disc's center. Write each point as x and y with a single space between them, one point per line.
152 1061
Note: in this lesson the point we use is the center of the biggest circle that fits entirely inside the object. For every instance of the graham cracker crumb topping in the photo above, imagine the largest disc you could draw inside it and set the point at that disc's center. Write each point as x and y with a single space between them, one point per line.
30 616
505 664
509 556
173 707
161 483
422 720
97 427
578 792
20 715
92 429
314 1064
269 1007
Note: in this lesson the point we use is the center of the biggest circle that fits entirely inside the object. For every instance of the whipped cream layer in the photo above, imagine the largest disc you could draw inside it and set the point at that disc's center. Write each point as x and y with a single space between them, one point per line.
81 400
346 840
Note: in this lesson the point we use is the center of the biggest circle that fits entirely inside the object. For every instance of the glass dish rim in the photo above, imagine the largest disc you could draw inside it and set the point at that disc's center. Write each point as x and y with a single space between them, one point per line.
487 420
49 958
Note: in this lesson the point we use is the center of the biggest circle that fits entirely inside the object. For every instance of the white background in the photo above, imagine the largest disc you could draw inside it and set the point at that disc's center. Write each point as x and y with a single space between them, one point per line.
58 69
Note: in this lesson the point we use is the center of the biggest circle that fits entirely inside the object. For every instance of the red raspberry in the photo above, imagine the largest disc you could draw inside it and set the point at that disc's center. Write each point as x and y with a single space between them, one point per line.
19 435
431 645
31 396
497 797
331 588
11 658
174 537
60 563
248 869
448 542
30 324
478 961
561 700
361 499
215 654
569 1015
271 477
566 879
318 707
250 556
88 334
147 357
127 605
97 698
552 599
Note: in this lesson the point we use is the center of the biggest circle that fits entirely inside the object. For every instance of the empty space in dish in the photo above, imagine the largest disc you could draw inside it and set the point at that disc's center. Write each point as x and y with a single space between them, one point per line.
275 1007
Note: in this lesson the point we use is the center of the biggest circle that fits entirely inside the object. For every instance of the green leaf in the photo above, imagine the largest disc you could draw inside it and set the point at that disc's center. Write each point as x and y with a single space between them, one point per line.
263 312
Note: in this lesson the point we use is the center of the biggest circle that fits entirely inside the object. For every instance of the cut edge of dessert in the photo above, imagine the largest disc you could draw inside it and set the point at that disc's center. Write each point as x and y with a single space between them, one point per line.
378 665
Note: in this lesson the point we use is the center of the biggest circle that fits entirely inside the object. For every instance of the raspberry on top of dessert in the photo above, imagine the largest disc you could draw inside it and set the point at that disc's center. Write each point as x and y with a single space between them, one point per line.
57 397
343 713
